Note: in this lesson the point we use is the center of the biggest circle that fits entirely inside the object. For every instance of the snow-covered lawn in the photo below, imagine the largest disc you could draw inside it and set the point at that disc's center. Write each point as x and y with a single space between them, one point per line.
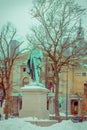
24 124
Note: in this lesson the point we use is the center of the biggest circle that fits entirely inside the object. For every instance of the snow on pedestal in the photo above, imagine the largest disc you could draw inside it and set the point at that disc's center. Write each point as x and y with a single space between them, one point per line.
34 102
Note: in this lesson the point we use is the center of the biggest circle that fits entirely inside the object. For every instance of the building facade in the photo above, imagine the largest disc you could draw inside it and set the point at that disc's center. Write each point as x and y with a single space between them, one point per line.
72 86
72 89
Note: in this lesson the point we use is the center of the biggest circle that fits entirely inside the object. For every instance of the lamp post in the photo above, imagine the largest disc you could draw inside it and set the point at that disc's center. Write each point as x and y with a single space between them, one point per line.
67 94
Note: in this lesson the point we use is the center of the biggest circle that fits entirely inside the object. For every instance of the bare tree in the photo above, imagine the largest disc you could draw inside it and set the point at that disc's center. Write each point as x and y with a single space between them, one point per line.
9 51
59 34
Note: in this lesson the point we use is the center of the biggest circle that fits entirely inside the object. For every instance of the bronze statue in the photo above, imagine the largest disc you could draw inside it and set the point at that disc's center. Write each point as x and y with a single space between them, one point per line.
34 64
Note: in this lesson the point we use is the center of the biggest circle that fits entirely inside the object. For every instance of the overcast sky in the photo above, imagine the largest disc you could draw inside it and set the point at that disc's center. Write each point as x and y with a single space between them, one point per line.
17 12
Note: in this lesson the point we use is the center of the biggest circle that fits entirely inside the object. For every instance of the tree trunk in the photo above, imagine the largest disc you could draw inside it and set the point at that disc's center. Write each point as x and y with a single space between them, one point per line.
8 95
6 111
56 92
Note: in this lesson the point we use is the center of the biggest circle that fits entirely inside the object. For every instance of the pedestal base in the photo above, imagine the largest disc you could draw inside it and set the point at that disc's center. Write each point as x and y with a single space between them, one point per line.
34 102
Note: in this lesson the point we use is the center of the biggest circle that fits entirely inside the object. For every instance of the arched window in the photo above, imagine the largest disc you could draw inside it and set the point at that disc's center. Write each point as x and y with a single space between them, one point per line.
25 81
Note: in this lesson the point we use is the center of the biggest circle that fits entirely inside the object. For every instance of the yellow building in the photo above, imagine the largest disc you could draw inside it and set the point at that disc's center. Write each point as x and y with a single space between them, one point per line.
19 79
72 89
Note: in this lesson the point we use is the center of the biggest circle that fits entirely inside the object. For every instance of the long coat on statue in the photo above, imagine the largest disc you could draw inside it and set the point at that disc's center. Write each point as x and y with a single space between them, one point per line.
34 64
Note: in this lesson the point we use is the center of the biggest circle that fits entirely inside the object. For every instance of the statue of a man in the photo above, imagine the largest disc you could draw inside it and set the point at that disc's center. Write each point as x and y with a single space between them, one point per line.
34 64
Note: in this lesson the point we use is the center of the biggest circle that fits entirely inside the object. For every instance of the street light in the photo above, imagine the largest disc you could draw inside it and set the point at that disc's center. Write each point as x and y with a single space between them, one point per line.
67 94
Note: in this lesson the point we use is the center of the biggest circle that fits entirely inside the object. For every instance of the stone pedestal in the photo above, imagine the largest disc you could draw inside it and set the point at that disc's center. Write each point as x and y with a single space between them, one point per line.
34 102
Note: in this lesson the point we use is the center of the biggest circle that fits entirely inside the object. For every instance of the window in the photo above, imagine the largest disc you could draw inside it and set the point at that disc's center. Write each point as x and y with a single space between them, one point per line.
74 106
25 80
83 74
24 69
85 89
50 85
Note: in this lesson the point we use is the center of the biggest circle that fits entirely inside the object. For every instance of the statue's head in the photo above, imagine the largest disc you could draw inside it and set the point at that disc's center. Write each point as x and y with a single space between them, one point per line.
37 53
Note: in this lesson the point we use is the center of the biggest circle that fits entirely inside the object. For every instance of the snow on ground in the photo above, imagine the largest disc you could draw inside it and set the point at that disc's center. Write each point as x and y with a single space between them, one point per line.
23 124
